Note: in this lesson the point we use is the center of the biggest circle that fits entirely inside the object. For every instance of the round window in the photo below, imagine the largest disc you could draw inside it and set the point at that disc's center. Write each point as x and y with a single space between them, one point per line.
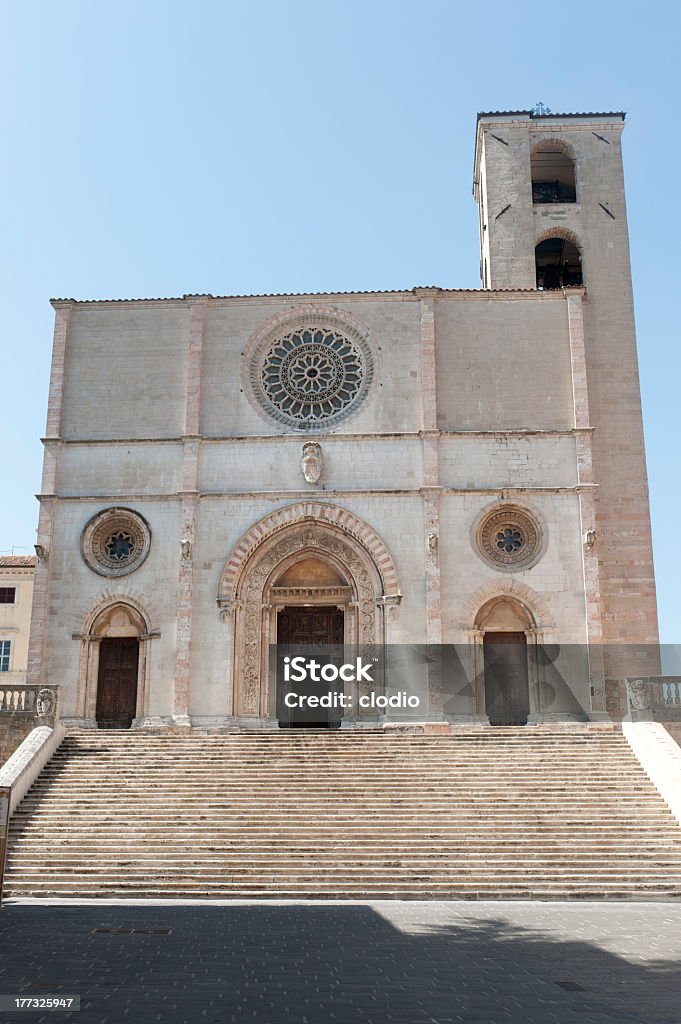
509 537
311 377
116 541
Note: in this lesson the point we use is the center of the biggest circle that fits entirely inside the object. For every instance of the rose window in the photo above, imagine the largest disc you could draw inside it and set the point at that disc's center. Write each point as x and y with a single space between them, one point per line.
312 376
509 537
115 541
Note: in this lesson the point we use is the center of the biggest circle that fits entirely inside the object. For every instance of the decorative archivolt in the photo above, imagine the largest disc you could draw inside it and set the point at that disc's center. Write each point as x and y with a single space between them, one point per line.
316 514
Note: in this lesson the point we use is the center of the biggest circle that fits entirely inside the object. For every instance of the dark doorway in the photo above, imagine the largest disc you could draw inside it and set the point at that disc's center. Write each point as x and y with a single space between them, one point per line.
117 682
507 692
310 626
315 627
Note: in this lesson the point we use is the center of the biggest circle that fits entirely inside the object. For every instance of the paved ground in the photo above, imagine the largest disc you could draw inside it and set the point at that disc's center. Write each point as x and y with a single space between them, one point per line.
321 963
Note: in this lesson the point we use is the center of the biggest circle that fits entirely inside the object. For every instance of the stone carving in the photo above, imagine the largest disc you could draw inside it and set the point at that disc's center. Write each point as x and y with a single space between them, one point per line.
432 543
315 373
46 702
249 632
639 694
312 461
509 537
115 541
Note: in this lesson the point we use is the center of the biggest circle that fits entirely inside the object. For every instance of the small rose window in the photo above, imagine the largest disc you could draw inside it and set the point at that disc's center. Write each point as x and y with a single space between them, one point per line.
115 542
509 537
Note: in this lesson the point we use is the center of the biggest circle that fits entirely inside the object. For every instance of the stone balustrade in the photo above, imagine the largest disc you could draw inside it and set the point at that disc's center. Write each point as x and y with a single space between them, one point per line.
657 697
40 701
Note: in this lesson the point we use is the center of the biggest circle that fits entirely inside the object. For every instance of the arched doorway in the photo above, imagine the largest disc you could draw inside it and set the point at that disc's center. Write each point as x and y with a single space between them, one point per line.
336 562
505 624
114 665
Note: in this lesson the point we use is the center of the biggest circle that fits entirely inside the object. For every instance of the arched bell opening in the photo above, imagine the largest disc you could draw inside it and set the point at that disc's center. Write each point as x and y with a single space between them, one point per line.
558 264
553 175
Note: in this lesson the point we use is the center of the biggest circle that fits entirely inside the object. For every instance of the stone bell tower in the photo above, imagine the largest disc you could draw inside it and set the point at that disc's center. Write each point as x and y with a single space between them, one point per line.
550 193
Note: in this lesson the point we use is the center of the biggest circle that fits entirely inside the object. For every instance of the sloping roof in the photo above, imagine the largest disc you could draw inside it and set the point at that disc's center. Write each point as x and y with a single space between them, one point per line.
17 561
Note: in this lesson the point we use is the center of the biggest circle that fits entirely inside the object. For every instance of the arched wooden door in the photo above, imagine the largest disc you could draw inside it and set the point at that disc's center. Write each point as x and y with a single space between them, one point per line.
117 682
507 691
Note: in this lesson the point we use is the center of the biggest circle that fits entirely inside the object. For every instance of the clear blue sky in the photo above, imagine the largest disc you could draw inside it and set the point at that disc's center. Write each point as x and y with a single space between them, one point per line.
157 148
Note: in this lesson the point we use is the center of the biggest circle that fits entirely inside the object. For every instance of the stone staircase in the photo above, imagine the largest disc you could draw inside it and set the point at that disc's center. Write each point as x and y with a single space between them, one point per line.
489 813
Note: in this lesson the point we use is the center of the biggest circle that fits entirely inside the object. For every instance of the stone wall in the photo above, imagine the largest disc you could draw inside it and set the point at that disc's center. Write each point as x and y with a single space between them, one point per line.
13 731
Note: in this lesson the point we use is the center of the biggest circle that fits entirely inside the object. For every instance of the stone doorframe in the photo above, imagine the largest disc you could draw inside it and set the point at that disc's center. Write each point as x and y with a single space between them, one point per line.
534 610
115 616
248 593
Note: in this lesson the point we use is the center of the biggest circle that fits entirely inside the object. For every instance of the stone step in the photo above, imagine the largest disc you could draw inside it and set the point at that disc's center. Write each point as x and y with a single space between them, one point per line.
421 892
443 803
328 887
418 859
521 846
365 873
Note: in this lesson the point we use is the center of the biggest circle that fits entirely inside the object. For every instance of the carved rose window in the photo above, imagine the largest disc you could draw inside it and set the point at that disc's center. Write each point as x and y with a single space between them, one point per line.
510 538
115 542
312 376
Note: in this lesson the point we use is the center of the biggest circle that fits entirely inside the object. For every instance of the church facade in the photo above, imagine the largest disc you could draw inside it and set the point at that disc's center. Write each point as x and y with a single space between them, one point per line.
425 467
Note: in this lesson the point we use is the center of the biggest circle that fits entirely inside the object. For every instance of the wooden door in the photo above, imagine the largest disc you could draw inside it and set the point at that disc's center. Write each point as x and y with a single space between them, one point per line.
310 626
117 682
507 691
299 628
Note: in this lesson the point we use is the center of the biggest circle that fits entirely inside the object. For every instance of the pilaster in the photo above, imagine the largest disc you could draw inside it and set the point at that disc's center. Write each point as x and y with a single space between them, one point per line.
36 672
586 492
190 485
431 472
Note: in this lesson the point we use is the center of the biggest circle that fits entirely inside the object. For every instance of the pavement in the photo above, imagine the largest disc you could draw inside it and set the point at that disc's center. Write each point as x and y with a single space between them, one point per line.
344 962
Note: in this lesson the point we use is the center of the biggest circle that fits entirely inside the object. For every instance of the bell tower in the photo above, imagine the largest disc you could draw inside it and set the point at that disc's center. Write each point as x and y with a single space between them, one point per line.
552 214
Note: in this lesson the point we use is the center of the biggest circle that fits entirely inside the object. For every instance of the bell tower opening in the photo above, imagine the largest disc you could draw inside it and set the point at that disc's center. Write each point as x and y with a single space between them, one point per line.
558 263
553 176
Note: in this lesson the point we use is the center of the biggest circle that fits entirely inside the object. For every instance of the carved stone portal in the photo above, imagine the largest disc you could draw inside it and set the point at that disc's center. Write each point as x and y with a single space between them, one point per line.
255 625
